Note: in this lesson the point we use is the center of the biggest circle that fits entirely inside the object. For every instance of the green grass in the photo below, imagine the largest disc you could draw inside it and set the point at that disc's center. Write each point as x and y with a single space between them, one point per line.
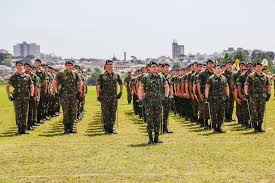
190 154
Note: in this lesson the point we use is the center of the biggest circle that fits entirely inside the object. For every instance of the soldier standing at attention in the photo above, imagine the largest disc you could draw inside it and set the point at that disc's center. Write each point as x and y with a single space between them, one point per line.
257 89
70 89
151 90
229 105
127 83
23 90
106 90
167 103
216 92
32 115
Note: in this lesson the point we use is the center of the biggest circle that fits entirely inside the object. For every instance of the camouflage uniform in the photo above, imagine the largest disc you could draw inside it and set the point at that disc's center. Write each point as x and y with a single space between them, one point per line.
217 97
33 104
229 103
21 84
108 87
68 82
194 102
166 105
153 87
127 82
42 102
202 79
243 107
257 91
236 76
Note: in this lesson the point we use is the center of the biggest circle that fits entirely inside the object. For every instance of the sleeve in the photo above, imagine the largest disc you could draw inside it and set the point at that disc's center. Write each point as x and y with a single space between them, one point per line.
143 81
208 82
248 80
78 77
199 79
100 80
119 80
11 80
30 80
225 84
58 77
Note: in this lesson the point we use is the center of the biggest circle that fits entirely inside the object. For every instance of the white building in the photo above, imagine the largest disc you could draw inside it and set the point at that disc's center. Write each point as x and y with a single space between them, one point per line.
24 49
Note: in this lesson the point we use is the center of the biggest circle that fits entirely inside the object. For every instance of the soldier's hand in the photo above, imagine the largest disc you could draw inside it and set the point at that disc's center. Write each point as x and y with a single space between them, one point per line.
11 98
206 100
119 95
268 97
140 103
99 98
246 97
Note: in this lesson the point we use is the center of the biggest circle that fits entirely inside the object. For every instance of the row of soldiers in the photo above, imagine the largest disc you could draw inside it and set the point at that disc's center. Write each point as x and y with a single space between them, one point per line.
206 93
35 97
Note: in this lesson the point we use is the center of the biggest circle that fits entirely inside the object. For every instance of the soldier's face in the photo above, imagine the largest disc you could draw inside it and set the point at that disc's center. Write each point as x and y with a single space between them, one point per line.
37 64
249 68
28 68
109 67
258 68
218 70
166 69
228 66
154 69
69 67
209 66
19 67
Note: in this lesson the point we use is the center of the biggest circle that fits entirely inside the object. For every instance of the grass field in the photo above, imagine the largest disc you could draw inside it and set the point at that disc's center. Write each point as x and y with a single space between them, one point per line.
190 154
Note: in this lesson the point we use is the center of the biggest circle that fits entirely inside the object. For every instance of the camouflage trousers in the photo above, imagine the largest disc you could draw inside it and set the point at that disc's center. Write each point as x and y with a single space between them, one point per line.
153 115
108 110
201 110
195 108
229 107
244 113
21 108
217 110
257 111
32 115
69 107
166 109
129 96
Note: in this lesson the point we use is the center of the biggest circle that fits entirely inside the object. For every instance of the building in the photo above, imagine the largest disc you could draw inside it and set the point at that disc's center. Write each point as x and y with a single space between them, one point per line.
177 50
24 49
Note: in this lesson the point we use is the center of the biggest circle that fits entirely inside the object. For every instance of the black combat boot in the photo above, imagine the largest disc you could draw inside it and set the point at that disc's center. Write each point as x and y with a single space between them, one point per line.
23 129
66 128
260 129
157 140
151 141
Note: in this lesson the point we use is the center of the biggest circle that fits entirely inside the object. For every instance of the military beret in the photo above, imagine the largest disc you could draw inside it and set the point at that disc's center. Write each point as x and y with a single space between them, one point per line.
69 62
258 63
19 62
242 63
153 63
209 61
108 61
229 62
28 63
200 64
195 63
218 65
37 60
250 63
165 64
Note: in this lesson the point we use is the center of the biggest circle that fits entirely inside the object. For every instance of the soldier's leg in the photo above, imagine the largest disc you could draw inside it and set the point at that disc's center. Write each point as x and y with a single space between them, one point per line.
231 107
73 113
254 114
17 110
166 110
157 122
25 110
150 122
113 109
105 109
66 111
261 109
214 114
220 115
35 112
201 113
30 114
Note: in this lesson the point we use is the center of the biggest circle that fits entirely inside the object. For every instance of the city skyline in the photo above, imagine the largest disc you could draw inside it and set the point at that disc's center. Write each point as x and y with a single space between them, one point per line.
145 29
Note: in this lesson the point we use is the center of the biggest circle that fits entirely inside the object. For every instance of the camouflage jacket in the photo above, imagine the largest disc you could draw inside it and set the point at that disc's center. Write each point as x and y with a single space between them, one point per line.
257 85
68 82
216 86
202 79
108 84
21 84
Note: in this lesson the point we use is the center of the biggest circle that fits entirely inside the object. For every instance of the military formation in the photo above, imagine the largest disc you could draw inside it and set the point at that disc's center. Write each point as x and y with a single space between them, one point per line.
39 91
200 93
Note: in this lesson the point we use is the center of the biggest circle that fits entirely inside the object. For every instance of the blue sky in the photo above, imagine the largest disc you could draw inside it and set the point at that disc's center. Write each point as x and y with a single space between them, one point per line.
144 28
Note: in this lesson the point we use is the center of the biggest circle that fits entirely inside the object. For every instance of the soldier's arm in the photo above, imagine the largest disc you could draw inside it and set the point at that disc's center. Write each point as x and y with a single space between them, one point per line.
182 90
194 90
32 89
206 91
166 87
140 92
187 89
55 85
199 90
8 89
98 90
226 88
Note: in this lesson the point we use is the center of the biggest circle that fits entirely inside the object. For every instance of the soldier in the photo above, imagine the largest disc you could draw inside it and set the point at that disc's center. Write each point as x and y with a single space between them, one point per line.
201 85
81 99
216 92
23 90
43 90
127 82
229 105
257 89
34 100
151 90
244 117
106 90
70 90
167 103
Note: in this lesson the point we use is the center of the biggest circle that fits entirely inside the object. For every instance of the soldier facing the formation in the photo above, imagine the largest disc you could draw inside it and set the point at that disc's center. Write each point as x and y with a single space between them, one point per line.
151 90
106 90
23 91
127 83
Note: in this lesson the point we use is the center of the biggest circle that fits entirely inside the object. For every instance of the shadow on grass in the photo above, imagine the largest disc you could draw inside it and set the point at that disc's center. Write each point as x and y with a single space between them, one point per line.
141 145
57 129
136 120
10 132
95 127
252 133
212 133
